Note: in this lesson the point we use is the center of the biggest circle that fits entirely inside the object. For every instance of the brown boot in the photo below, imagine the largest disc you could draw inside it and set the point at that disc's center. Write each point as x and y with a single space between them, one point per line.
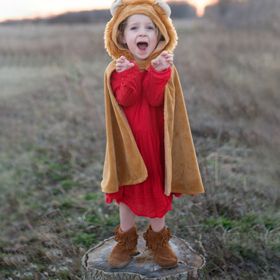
162 252
125 249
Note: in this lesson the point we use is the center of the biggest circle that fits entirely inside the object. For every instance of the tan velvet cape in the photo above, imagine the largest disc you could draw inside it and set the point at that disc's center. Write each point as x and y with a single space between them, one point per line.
123 164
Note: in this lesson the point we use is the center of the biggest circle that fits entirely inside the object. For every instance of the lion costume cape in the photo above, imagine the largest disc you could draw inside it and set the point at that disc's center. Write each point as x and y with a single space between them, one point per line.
123 164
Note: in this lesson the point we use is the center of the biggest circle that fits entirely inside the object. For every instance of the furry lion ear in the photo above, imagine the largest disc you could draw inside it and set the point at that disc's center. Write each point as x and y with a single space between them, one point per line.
164 6
114 6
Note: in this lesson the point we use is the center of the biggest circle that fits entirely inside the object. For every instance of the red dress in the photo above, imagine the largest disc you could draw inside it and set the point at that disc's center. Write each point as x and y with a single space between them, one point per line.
141 95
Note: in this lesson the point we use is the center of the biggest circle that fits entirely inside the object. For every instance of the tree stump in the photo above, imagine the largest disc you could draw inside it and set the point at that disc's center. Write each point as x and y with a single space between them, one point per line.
96 267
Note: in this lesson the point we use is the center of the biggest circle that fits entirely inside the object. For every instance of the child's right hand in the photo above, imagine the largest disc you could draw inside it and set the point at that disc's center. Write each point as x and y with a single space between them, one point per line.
123 64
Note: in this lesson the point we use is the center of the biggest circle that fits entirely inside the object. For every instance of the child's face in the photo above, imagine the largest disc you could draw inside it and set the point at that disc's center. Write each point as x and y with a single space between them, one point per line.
140 35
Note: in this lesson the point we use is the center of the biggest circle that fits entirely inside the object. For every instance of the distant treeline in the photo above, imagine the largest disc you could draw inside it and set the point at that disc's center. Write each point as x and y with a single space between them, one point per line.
179 10
233 13
250 13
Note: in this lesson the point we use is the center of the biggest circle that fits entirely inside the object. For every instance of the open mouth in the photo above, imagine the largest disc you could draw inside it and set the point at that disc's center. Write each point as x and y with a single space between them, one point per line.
142 45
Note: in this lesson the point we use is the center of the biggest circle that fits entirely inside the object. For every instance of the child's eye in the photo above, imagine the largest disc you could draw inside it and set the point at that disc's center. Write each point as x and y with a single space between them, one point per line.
151 28
133 28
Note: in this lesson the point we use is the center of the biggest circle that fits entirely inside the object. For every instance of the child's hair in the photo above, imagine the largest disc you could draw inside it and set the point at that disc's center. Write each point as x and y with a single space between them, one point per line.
121 29
120 33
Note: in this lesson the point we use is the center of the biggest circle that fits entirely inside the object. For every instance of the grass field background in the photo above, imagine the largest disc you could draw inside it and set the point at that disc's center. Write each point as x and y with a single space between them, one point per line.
52 143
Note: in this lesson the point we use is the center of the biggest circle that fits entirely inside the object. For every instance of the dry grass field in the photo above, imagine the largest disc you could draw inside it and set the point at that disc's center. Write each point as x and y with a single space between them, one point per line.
52 142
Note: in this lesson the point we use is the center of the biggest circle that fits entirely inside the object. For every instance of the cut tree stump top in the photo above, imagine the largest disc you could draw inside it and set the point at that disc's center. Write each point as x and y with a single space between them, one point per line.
96 267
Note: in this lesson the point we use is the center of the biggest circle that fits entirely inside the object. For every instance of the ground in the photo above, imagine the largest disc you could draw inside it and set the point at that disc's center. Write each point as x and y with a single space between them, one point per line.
52 147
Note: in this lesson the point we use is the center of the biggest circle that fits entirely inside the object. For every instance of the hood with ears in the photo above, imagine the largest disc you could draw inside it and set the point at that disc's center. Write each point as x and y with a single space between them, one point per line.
157 10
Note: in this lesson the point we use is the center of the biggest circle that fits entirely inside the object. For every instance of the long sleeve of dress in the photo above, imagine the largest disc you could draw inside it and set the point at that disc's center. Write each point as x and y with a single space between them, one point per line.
154 85
126 86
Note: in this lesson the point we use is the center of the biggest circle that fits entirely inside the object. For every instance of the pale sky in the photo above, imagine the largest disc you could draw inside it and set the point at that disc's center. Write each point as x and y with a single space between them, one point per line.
16 9
10 9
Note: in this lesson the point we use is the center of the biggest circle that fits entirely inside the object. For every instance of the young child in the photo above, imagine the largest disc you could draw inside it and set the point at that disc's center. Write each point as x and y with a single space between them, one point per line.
150 155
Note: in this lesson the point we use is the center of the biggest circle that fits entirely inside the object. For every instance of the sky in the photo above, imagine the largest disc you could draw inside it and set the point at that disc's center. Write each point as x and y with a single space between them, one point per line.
16 9
10 9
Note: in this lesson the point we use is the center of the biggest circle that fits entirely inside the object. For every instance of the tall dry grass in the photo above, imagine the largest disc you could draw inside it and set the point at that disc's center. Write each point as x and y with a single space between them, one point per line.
53 140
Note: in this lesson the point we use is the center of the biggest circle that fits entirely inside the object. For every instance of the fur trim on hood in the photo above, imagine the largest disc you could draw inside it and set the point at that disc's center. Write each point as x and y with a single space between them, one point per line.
157 10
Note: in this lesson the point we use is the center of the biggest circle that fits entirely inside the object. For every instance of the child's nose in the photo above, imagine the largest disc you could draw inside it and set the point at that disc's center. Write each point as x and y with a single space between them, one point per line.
142 33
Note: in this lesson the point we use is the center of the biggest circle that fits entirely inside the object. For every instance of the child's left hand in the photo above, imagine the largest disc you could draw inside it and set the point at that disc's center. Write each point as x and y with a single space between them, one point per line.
163 61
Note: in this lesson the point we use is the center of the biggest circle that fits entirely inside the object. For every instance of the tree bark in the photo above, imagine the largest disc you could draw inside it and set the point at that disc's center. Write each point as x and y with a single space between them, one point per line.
96 267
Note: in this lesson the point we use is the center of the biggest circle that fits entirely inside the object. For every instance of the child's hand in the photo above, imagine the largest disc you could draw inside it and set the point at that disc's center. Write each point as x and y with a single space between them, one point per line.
123 64
163 61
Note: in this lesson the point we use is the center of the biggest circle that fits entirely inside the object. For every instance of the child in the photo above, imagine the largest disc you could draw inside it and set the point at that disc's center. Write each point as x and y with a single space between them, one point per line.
150 154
